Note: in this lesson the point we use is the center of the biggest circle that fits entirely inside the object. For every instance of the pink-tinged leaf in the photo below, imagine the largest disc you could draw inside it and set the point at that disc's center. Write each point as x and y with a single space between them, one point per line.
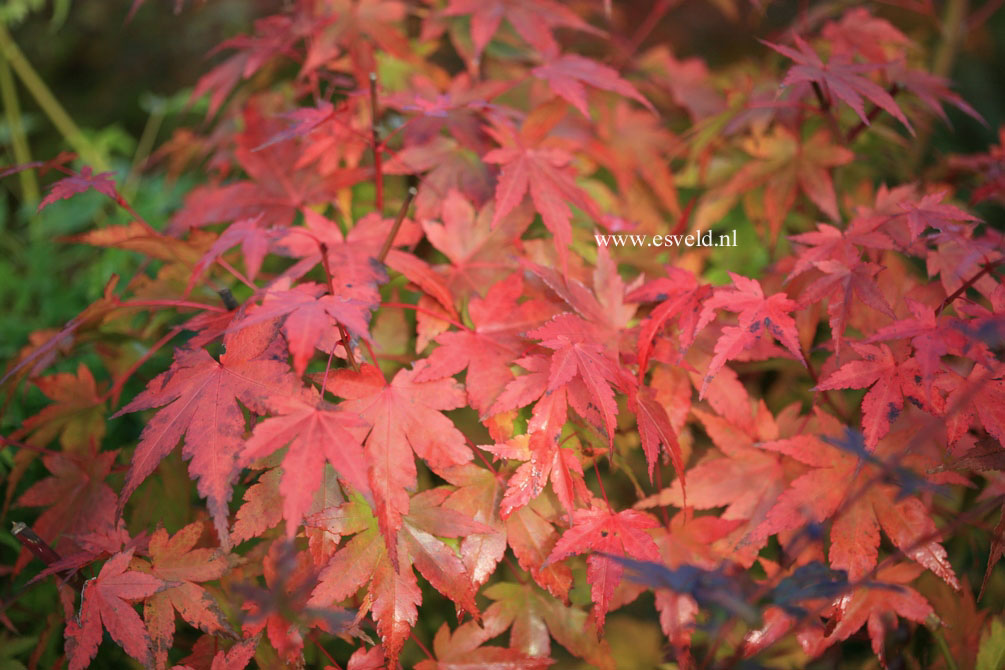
405 417
656 431
315 432
568 74
78 183
200 397
603 530
757 315
105 604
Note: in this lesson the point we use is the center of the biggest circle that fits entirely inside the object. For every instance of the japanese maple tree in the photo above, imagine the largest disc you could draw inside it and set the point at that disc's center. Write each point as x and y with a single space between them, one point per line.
421 387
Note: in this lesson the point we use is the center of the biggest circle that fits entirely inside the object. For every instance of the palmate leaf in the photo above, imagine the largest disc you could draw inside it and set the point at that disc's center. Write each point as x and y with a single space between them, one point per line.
404 417
199 399
105 605
840 78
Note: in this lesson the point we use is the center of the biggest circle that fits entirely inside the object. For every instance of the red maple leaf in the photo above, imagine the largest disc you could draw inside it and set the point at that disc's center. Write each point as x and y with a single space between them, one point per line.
840 285
85 180
311 313
76 498
405 417
394 594
487 351
480 254
105 604
534 617
757 315
580 356
879 370
541 170
681 297
464 647
874 607
201 397
603 530
534 21
175 561
315 432
823 491
568 74
840 77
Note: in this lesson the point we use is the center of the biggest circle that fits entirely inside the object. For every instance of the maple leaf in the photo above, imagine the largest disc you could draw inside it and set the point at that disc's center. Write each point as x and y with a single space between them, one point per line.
76 415
881 373
85 180
655 430
681 297
105 604
757 314
840 285
262 508
533 20
315 432
480 254
543 171
718 480
579 354
859 33
870 606
840 77
310 312
464 648
534 618
616 533
272 37
201 397
567 74
633 142
404 417
76 498
821 493
487 350
394 594
786 163
254 241
476 496
978 398
176 562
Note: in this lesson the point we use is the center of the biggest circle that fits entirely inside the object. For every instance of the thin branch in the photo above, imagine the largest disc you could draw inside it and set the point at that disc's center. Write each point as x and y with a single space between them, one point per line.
378 167
389 241
988 268
343 333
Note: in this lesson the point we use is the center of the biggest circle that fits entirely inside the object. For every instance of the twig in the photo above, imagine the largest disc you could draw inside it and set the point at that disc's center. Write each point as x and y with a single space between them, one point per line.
986 269
389 240
893 90
41 550
378 167
343 333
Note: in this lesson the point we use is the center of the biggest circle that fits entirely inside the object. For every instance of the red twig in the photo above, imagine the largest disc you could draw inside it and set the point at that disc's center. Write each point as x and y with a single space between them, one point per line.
389 240
378 167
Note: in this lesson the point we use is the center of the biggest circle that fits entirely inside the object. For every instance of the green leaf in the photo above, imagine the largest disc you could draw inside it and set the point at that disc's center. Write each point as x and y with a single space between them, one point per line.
992 651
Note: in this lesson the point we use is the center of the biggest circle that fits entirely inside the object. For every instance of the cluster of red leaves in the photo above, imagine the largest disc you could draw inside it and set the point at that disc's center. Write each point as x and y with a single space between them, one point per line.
421 395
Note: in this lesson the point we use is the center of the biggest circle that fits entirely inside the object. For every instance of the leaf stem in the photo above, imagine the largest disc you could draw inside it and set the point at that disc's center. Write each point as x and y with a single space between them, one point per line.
986 269
417 308
378 167
389 241
417 641
317 643
343 333
893 89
